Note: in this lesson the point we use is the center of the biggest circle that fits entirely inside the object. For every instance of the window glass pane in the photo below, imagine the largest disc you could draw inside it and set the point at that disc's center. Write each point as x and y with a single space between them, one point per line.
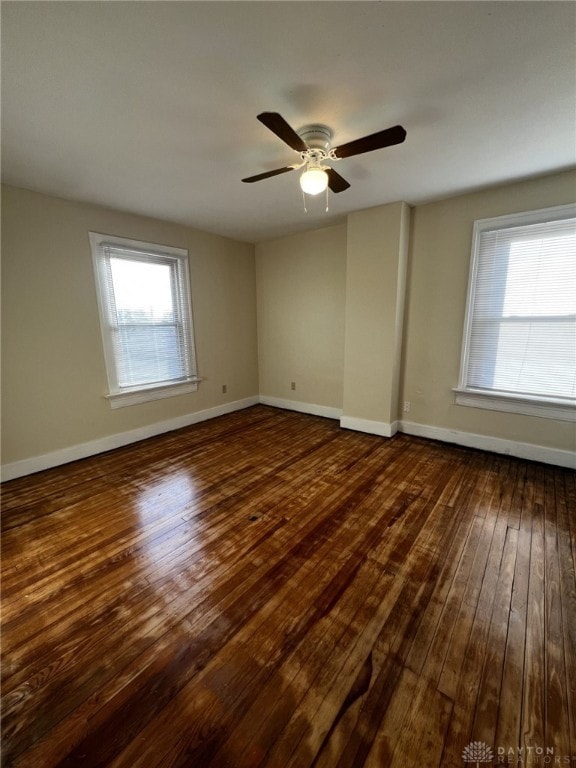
539 273
536 358
142 290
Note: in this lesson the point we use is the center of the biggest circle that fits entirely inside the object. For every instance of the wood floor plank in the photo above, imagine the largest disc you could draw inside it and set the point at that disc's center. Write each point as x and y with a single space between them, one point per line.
557 729
386 739
534 694
436 619
445 656
267 590
488 699
509 712
565 506
424 732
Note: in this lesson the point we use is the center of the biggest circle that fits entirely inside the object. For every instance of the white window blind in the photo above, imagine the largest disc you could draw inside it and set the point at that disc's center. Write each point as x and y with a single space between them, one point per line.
520 337
145 314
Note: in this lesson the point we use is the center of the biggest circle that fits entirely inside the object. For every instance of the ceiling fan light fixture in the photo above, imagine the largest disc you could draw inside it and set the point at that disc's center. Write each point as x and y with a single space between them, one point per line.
314 181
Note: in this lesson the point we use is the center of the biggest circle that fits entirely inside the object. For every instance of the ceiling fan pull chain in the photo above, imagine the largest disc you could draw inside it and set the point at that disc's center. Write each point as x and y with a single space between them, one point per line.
326 199
304 202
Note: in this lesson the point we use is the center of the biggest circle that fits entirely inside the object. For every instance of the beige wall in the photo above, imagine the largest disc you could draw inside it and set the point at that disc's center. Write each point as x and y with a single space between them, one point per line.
441 237
301 292
53 373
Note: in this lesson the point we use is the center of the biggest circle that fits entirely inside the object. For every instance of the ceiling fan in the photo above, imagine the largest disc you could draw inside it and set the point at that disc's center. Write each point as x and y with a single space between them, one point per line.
313 145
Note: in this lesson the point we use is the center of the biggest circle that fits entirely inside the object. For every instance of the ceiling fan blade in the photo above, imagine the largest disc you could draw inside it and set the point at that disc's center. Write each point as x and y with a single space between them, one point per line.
386 138
276 123
268 174
335 181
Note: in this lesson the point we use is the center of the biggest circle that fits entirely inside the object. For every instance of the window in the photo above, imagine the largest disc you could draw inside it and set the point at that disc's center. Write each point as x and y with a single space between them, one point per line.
146 319
519 348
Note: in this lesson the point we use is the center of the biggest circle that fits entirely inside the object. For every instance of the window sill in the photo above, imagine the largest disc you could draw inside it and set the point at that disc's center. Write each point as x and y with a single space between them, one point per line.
146 394
561 410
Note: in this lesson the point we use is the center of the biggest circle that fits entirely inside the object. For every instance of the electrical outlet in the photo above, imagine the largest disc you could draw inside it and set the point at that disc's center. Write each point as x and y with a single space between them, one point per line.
406 408
224 388
293 385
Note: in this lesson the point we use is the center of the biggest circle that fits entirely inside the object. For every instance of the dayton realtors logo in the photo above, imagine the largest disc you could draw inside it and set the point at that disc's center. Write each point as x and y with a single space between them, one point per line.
477 752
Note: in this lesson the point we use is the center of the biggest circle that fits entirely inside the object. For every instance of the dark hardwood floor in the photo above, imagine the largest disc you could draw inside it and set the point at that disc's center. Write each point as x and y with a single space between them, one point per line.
266 589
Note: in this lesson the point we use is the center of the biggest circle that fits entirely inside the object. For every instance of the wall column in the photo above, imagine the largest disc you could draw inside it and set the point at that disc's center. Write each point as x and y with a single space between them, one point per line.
376 259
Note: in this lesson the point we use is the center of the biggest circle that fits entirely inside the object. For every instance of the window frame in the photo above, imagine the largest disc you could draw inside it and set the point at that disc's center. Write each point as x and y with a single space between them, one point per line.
120 396
558 408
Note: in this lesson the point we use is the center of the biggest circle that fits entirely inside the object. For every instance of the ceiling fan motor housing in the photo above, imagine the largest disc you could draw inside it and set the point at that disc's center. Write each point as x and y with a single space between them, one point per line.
316 136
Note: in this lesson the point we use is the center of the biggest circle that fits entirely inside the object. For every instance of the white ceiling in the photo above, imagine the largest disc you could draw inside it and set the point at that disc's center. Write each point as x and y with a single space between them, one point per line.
151 107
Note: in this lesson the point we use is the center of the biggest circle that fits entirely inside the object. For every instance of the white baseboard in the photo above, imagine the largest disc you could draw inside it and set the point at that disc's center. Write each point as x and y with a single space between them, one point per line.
295 405
108 443
528 451
381 428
